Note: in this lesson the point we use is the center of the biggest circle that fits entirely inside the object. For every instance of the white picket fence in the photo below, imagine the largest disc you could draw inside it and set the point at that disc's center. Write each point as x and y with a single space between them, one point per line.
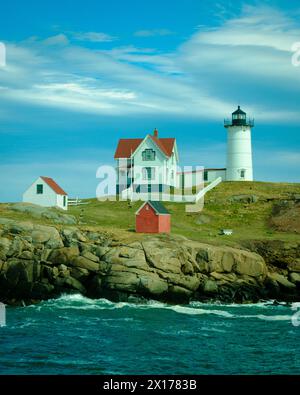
128 194
76 202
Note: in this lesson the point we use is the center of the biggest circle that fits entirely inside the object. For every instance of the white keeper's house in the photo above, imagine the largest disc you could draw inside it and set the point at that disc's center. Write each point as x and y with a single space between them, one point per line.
47 193
147 165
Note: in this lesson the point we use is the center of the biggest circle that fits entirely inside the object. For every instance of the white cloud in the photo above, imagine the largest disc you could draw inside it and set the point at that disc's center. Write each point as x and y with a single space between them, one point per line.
59 39
165 62
258 43
153 32
93 37
125 88
259 27
247 59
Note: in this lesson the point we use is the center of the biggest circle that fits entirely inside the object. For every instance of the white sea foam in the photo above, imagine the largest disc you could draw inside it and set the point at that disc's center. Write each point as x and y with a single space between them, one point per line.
296 305
266 304
268 317
195 311
79 302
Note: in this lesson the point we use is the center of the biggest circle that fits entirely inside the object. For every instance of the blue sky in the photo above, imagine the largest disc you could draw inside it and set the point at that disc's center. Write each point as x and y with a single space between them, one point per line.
82 74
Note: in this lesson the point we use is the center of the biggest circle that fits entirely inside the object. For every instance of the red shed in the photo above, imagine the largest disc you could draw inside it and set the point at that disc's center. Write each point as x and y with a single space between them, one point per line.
153 217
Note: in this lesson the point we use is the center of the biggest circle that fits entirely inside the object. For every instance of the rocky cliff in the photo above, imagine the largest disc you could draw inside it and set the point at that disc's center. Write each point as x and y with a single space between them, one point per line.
40 262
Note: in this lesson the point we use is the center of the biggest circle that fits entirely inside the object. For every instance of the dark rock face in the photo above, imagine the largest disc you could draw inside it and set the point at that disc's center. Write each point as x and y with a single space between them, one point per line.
283 262
39 262
277 253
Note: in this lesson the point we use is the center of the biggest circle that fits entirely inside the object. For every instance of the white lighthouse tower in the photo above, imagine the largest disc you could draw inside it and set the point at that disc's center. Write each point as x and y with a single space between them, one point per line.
239 151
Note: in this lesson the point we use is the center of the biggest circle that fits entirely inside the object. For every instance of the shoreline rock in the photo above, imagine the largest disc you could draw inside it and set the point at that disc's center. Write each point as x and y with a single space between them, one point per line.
41 262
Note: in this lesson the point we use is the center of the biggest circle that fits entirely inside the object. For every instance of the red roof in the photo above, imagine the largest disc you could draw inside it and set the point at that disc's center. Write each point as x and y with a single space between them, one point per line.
52 184
166 145
126 147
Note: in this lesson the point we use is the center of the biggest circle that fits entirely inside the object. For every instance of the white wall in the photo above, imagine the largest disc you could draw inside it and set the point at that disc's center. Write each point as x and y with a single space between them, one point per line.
48 198
159 163
239 153
60 202
213 174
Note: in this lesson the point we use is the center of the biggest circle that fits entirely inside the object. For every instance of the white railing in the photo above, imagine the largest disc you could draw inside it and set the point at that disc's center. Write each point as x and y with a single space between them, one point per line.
199 198
203 191
76 202
156 196
129 194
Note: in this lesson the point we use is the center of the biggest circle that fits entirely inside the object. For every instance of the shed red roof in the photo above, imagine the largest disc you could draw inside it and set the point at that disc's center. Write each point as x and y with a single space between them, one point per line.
127 146
52 184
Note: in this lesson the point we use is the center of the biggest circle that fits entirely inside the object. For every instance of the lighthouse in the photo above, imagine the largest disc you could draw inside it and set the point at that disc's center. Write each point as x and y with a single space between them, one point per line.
239 150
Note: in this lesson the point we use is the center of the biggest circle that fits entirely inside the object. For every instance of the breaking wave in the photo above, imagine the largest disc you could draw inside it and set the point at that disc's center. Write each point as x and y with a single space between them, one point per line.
79 302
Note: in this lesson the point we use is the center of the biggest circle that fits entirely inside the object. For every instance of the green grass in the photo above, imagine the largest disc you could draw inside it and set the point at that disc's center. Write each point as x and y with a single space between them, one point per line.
248 221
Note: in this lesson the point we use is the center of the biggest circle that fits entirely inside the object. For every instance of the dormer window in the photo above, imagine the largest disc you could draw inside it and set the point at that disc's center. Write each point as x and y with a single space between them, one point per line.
148 154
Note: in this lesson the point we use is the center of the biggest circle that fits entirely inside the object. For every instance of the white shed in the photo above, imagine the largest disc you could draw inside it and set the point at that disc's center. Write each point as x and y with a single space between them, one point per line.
47 193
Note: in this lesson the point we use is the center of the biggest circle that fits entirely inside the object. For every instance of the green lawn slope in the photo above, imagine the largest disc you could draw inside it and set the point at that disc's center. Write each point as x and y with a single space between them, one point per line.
247 220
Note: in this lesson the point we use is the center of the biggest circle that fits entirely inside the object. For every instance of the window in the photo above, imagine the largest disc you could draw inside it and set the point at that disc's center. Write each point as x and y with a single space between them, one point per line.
148 173
145 173
243 173
238 116
205 175
39 189
148 154
65 201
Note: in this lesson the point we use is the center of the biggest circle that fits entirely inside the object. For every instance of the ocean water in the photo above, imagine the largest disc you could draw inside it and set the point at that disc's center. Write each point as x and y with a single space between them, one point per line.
77 335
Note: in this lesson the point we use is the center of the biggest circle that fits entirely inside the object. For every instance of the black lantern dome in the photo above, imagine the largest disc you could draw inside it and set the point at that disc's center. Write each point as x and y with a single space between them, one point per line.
239 118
